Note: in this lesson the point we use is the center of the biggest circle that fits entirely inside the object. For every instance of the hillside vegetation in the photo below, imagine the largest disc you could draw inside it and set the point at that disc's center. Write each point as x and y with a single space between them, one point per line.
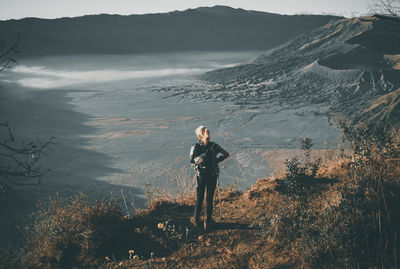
342 215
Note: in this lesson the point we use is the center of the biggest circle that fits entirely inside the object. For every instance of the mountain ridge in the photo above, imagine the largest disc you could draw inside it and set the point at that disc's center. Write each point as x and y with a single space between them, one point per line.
216 28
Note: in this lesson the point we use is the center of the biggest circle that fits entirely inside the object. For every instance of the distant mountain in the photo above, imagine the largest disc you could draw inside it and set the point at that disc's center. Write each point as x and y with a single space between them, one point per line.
352 65
217 28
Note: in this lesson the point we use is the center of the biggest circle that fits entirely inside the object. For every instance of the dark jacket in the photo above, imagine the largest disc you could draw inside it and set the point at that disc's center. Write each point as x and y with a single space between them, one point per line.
205 158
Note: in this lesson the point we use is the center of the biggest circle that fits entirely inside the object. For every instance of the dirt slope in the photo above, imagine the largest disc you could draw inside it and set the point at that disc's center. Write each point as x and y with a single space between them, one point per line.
242 236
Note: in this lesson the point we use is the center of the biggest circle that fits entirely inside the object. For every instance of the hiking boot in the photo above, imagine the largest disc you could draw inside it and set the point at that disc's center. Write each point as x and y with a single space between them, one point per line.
209 224
196 223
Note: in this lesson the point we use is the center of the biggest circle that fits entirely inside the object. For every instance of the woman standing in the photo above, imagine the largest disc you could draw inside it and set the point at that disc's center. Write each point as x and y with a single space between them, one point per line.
203 155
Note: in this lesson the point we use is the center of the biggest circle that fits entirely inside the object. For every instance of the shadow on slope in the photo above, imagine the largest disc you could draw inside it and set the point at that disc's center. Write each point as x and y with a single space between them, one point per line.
74 167
382 38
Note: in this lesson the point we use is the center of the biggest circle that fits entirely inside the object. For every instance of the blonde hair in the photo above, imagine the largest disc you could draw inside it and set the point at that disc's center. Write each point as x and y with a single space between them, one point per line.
200 130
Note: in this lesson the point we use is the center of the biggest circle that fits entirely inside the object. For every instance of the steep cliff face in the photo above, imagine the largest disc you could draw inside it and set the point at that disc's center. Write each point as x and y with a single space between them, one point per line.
342 63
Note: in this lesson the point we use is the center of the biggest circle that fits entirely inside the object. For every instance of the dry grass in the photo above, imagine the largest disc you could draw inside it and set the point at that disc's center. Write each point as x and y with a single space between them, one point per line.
175 185
80 233
276 158
347 216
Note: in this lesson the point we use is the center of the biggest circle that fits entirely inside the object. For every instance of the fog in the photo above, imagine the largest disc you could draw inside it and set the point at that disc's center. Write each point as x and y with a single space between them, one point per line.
46 78
66 71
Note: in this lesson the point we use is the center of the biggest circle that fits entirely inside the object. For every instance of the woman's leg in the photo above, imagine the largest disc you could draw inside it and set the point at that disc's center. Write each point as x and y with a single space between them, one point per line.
211 183
201 185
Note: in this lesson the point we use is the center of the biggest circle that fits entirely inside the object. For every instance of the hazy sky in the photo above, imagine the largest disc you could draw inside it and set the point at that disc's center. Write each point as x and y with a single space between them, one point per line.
15 9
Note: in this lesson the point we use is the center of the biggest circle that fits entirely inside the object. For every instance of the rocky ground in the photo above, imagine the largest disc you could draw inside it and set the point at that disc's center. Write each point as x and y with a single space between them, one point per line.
345 64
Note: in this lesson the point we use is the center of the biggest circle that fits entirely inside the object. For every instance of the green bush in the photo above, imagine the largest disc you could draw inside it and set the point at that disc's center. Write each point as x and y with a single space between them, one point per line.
299 176
374 200
361 229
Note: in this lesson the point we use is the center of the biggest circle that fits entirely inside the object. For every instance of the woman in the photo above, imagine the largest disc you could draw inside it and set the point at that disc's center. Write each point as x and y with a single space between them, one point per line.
203 155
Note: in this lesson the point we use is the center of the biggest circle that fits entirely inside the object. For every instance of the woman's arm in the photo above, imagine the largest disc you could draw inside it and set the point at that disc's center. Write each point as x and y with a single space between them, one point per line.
193 153
225 155
195 157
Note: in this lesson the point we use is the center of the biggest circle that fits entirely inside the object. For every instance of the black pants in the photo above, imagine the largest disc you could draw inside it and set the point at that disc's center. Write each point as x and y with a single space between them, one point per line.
203 182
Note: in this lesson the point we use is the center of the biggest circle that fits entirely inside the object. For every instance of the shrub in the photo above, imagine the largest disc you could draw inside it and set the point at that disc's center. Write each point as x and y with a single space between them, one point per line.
299 175
354 223
77 232
376 194
306 144
294 168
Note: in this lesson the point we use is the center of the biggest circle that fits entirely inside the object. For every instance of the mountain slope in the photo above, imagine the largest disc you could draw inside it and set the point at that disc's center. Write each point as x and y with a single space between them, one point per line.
207 28
338 64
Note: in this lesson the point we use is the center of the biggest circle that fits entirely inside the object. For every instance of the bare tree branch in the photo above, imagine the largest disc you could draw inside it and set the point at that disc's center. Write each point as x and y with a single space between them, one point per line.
20 163
386 8
6 55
